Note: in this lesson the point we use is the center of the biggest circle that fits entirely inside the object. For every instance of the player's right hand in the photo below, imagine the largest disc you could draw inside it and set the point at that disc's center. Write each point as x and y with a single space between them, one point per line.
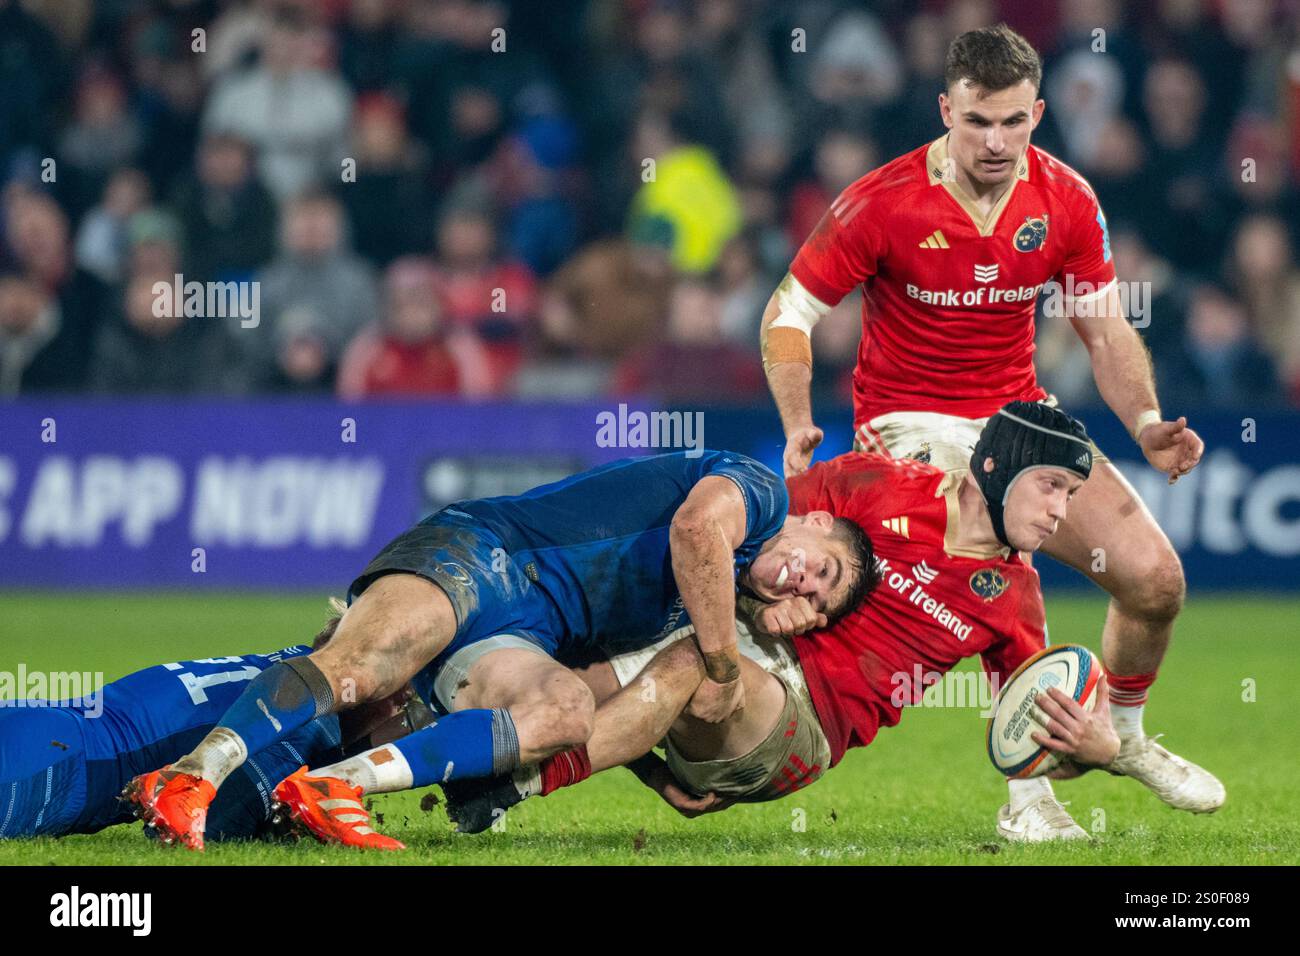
788 617
799 447
691 806
1086 736
1171 447
714 702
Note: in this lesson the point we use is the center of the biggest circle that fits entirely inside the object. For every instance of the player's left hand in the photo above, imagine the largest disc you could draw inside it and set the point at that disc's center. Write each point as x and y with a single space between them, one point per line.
1171 447
788 617
1088 737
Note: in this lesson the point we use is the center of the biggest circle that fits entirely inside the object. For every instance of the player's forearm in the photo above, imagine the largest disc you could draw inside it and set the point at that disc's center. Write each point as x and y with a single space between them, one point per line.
1121 364
704 568
787 360
1122 368
632 721
791 385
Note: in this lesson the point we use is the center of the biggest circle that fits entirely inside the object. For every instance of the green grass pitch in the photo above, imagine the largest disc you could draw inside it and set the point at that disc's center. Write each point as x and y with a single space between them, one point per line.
923 792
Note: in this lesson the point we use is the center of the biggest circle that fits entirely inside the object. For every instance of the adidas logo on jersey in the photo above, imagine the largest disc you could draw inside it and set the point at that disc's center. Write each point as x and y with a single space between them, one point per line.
896 525
934 241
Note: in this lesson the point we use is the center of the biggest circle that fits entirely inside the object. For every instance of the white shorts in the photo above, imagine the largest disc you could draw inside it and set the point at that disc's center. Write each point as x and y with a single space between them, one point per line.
795 753
774 654
945 441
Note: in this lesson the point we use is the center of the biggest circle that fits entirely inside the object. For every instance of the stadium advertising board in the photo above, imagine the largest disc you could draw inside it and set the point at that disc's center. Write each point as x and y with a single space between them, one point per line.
273 495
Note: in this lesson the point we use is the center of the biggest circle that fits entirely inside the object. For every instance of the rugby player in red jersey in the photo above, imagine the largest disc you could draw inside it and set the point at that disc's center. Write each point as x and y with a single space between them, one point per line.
949 587
952 244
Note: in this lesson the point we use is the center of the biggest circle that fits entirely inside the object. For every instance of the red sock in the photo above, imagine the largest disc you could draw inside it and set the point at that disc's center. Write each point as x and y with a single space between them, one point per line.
1129 690
565 769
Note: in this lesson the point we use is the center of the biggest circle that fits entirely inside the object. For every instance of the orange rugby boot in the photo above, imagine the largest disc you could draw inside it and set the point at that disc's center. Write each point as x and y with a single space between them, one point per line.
175 804
329 810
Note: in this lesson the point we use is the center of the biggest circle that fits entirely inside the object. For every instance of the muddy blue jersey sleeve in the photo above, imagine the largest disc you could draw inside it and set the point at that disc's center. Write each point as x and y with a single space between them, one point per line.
766 501
593 550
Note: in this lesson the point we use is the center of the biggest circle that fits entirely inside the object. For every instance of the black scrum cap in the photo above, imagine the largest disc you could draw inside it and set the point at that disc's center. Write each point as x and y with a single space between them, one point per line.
1020 437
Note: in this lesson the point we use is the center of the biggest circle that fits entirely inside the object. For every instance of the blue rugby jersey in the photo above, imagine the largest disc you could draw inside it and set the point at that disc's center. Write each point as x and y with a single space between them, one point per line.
596 543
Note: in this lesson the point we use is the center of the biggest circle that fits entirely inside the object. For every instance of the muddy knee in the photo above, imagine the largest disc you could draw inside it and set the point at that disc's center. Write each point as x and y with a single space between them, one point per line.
562 719
399 624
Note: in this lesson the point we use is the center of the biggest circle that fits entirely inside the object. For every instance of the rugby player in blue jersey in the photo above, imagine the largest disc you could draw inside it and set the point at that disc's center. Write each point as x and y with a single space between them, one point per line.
482 597
63 764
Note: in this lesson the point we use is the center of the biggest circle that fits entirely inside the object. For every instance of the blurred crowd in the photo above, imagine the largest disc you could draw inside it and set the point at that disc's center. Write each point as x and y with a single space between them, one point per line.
576 198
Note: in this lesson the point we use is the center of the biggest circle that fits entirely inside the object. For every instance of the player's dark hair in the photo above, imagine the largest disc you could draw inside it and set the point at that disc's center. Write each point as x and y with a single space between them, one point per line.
992 58
862 560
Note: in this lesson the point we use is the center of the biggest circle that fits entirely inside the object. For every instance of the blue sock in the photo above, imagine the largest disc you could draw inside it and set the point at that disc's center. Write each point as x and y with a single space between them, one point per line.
468 743
278 701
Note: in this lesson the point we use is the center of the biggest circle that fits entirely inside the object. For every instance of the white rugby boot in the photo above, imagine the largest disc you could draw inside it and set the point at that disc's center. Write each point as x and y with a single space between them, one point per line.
1178 782
1038 822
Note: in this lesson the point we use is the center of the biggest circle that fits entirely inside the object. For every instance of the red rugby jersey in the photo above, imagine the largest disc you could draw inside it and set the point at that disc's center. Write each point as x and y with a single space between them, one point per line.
948 297
935 605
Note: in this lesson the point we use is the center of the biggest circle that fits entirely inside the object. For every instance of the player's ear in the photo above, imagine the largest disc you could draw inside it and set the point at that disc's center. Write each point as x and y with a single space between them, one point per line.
822 520
1036 112
989 464
945 110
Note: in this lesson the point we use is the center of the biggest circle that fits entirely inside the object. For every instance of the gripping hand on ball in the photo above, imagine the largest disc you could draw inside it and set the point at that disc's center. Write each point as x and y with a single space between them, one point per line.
1086 737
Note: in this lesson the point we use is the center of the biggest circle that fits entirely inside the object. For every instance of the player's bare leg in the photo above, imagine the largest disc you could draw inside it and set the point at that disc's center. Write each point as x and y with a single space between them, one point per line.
552 708
512 705
392 630
1111 537
396 626
629 721
744 730
736 738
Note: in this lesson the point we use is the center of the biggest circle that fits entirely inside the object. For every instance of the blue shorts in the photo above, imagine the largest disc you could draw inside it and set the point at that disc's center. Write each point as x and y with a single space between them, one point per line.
490 593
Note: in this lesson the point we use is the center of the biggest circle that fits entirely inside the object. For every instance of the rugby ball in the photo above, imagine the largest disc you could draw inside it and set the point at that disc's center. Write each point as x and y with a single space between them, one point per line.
1072 668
